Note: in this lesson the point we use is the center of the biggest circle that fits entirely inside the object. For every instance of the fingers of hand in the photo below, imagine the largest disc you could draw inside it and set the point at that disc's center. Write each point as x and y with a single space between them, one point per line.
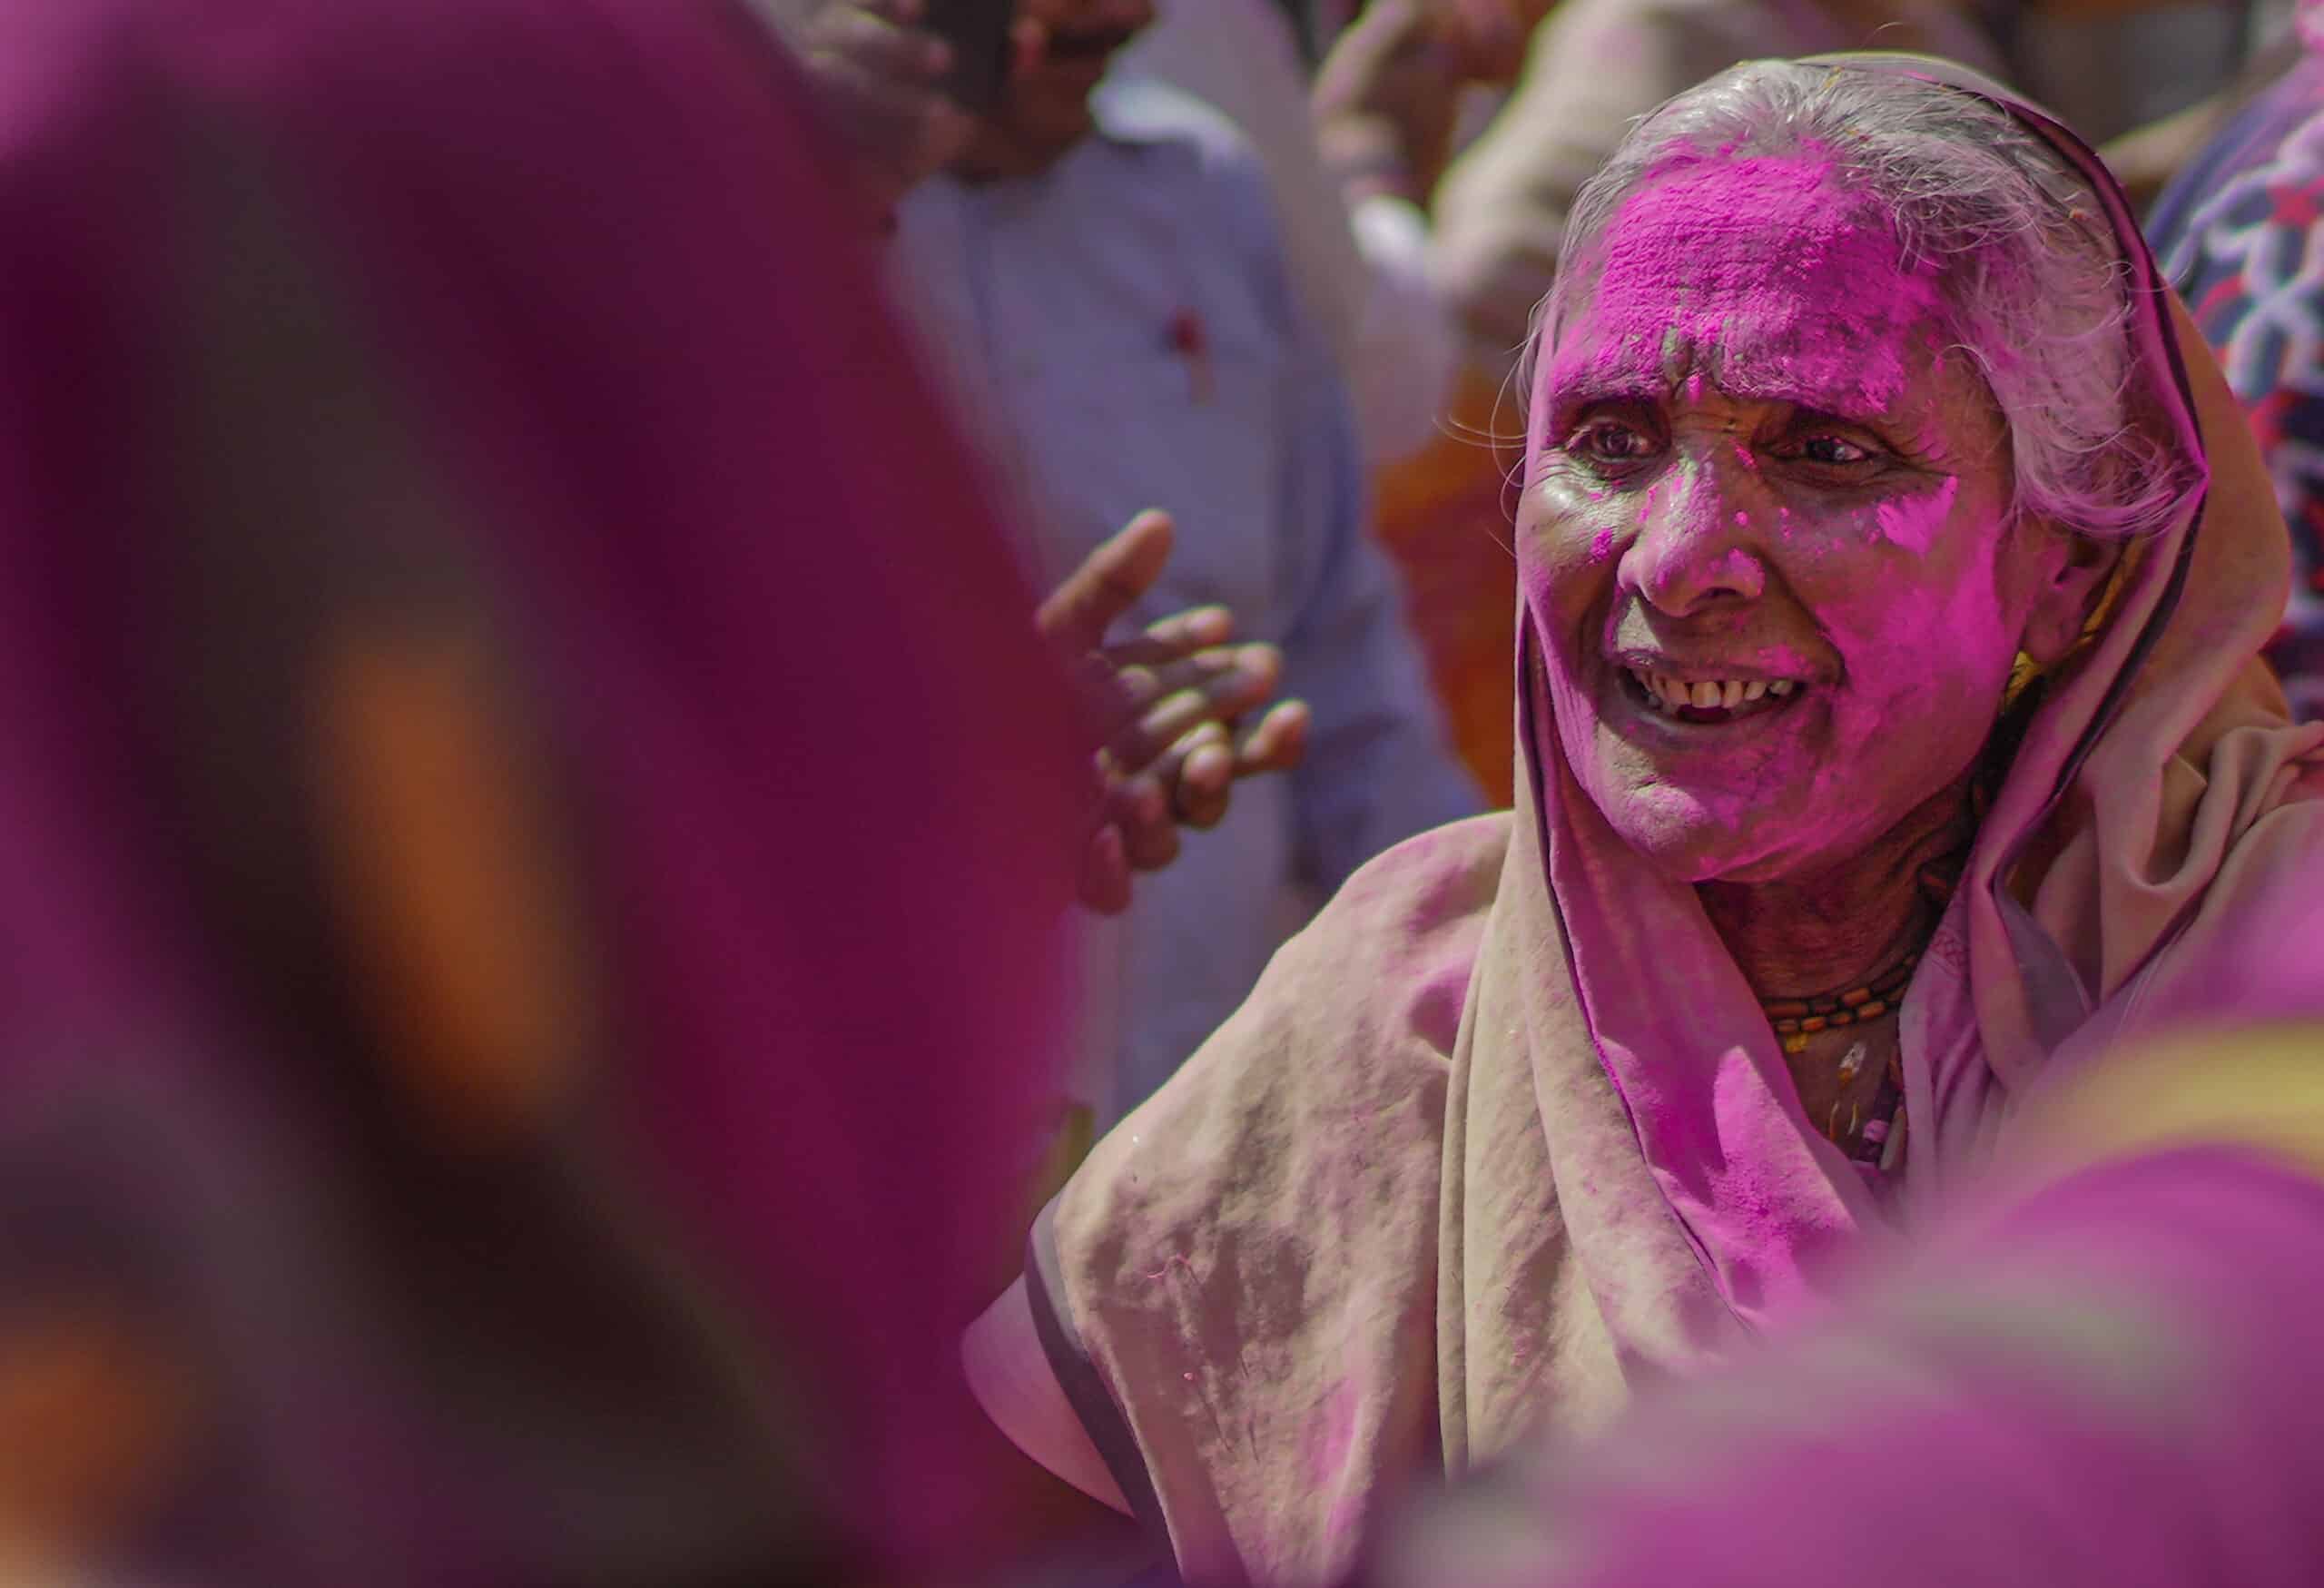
879 83
1139 817
893 53
1200 770
1028 41
1109 583
1179 636
1231 679
1105 872
1165 704
1278 743
1139 810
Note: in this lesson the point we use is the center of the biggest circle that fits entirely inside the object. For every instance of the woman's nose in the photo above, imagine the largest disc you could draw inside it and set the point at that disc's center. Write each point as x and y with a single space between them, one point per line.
1698 548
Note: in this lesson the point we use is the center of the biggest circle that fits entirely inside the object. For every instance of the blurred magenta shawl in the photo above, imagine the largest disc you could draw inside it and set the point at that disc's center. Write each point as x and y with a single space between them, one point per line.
515 716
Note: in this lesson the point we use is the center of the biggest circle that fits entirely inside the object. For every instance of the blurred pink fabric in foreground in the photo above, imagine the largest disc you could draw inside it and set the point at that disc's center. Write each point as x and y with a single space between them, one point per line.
529 803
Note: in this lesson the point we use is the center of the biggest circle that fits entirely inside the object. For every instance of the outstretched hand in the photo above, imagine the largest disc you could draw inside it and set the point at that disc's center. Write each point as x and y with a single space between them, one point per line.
1163 712
878 72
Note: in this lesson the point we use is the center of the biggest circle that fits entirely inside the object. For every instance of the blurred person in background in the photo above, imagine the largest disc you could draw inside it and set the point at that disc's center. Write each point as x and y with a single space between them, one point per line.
2133 76
1355 247
535 846
1414 81
2238 231
1498 212
2151 156
1100 271
1896 567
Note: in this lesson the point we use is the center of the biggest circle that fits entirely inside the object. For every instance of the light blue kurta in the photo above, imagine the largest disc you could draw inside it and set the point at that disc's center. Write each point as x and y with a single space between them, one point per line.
1121 331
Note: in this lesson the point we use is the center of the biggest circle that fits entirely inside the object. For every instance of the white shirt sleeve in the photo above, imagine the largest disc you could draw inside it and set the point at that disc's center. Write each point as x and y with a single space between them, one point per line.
1011 1378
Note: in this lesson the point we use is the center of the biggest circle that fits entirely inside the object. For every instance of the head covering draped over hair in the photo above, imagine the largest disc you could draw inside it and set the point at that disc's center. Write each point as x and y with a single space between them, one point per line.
1506 1133
529 796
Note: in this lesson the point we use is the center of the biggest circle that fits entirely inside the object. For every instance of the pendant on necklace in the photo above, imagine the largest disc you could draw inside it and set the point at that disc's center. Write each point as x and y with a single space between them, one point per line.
1852 1065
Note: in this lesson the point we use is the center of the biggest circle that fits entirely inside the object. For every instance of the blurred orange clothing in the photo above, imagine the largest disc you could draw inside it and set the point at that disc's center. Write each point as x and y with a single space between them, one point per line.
1445 516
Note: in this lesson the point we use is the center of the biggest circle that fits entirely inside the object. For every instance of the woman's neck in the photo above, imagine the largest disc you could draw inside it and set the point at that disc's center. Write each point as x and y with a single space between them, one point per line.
1805 936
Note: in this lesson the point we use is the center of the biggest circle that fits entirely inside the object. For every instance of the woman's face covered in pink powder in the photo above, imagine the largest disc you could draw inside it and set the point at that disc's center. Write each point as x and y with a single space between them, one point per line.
1765 537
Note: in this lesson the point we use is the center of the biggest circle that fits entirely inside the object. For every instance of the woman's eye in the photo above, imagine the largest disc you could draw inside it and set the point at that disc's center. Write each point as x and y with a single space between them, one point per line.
1609 443
1833 451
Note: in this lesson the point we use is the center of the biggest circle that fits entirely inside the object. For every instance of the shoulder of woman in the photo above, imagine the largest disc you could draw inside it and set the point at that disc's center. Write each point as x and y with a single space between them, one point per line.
1375 983
1432 882
1278 1198
1348 1036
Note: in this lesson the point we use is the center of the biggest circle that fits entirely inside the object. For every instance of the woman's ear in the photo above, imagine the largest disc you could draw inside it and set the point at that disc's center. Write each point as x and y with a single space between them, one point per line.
2071 571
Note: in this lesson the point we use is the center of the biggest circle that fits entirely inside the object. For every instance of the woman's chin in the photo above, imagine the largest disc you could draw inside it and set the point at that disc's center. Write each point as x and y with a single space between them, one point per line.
1687 844
1680 836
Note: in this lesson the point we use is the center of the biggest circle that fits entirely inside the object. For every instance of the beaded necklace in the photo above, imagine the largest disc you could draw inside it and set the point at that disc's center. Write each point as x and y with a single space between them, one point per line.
1796 1020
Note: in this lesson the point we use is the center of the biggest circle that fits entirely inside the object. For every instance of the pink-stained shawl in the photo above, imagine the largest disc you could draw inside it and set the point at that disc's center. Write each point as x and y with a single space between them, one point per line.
1504 1134
2094 1356
427 423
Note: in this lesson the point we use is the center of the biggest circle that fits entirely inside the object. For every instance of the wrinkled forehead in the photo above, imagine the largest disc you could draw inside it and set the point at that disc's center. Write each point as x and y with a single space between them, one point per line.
1769 277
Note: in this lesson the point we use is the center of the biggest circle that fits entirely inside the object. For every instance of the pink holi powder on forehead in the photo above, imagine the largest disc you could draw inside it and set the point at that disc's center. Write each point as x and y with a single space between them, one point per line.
1767 274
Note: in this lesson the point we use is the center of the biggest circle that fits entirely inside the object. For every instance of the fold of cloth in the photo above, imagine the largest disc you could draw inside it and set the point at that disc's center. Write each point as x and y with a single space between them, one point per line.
520 733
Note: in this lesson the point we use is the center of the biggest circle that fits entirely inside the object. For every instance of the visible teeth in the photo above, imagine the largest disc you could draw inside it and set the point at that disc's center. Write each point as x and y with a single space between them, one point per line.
1668 694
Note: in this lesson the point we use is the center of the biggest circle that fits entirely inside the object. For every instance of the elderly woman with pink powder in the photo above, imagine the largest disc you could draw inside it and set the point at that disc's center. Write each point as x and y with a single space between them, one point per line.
1892 731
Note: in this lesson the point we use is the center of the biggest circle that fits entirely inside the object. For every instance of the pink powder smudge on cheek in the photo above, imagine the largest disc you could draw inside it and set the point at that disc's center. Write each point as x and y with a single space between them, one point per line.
1912 523
1602 545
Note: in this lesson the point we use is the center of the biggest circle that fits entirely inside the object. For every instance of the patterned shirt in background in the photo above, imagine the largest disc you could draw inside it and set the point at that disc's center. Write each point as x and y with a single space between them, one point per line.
2240 233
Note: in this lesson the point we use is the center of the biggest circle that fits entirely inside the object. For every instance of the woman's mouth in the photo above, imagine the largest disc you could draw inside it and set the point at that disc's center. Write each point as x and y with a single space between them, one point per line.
1708 701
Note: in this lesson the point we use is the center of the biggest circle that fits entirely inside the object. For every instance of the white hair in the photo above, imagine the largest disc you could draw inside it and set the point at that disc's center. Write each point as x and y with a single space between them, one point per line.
2027 264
